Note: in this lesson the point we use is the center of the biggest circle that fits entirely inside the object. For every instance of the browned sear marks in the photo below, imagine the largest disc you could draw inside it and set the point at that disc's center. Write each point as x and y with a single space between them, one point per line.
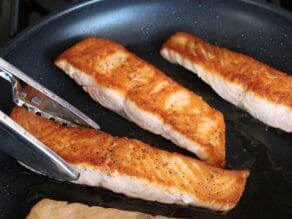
110 65
252 75
94 149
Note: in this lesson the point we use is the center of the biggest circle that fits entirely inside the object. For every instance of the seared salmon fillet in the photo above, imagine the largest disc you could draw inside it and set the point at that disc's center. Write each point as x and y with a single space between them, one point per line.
51 209
126 84
136 169
261 90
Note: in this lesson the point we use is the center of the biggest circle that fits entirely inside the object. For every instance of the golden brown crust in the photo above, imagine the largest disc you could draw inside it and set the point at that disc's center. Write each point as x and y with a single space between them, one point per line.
112 66
252 75
91 148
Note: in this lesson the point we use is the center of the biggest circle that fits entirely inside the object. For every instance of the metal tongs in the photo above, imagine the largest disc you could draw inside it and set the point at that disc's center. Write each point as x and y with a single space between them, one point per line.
36 98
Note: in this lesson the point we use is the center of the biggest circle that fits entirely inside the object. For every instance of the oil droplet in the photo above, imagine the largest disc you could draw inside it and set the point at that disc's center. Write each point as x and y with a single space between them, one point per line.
237 46
253 144
217 17
244 115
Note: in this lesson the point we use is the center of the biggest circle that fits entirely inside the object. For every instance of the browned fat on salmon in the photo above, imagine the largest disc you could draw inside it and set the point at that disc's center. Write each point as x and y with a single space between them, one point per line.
261 90
136 169
51 209
126 84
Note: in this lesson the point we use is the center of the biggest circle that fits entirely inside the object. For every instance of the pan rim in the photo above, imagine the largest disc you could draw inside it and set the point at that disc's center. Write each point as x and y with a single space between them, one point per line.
75 6
71 12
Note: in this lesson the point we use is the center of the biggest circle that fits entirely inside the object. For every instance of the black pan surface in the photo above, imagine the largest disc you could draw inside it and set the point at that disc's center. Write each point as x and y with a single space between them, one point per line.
142 26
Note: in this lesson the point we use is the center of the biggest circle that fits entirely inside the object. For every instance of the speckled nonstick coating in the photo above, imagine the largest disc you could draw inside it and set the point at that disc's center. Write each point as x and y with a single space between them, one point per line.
258 30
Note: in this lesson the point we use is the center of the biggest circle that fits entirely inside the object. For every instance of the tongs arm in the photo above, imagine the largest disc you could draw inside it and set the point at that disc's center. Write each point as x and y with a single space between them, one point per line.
37 98
33 153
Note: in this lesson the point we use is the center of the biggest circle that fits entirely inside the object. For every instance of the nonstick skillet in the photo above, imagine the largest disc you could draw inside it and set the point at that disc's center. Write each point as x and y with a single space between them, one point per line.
255 29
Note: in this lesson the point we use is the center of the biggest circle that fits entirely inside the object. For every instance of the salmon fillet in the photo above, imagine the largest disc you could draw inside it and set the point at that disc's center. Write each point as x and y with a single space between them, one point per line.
51 209
261 90
136 169
126 84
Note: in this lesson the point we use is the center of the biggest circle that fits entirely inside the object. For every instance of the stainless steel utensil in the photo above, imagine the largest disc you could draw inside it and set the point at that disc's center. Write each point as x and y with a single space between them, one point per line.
33 153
